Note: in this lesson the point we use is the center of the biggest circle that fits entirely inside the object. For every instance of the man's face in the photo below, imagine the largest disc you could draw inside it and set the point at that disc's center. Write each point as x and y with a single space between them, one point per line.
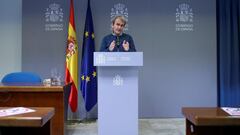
118 26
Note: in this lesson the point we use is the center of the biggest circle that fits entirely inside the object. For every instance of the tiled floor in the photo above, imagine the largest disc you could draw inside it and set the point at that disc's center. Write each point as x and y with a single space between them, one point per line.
169 126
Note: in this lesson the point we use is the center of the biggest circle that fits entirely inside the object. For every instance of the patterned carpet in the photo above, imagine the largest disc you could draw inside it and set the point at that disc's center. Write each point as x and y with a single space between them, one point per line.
169 126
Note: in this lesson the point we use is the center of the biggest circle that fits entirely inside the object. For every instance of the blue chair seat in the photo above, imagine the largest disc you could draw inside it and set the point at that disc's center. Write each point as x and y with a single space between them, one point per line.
21 77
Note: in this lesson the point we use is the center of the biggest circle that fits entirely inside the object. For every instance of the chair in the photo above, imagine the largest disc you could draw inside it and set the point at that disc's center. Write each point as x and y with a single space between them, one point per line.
21 77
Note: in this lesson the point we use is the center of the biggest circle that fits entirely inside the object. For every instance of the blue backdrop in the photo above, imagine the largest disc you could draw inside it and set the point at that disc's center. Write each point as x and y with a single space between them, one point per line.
180 67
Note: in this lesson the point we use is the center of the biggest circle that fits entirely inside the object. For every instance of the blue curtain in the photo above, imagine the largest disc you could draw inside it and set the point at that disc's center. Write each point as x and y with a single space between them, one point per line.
228 29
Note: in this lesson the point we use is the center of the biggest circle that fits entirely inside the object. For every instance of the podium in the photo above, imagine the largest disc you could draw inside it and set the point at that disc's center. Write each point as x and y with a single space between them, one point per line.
118 92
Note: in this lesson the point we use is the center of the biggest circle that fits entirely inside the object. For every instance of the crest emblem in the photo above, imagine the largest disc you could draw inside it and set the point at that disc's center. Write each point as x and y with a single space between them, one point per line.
71 47
117 80
184 13
101 59
54 13
184 17
119 10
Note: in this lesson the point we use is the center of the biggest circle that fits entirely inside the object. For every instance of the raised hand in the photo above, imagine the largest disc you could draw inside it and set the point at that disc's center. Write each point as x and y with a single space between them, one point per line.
125 45
112 45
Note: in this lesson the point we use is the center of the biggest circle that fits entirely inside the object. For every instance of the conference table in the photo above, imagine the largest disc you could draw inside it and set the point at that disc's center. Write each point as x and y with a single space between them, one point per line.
37 95
31 123
210 121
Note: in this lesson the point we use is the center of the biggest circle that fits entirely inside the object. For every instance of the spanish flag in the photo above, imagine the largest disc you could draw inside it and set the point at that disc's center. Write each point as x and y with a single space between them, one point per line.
71 71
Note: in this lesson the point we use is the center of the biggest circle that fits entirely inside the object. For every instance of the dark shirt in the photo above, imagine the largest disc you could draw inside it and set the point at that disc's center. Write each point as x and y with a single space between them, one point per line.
107 40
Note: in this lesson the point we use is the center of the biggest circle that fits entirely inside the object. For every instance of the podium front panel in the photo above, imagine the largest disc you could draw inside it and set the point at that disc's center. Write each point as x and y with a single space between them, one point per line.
118 100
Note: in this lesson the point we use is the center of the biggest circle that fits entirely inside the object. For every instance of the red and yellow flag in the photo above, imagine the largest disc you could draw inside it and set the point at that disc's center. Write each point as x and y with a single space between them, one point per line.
71 72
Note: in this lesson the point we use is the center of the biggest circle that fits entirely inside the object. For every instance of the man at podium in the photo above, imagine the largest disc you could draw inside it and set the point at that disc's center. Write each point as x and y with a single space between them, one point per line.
118 41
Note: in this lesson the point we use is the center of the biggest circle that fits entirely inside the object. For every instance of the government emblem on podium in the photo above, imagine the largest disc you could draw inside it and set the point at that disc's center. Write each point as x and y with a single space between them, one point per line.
117 80
101 59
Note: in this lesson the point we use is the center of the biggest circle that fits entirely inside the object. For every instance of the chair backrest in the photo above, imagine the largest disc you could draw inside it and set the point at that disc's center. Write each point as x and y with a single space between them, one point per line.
21 77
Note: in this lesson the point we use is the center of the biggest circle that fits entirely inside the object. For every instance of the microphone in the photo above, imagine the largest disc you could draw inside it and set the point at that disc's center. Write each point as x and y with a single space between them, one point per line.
117 40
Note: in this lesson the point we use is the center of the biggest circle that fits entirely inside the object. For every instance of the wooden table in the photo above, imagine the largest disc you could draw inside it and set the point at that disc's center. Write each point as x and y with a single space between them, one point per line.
33 123
210 121
36 95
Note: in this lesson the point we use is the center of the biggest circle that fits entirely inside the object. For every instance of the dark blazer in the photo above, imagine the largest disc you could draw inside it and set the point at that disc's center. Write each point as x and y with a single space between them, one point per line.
119 41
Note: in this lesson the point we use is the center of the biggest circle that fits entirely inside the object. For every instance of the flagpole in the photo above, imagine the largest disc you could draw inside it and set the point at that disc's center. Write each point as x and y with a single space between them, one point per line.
86 118
88 70
71 66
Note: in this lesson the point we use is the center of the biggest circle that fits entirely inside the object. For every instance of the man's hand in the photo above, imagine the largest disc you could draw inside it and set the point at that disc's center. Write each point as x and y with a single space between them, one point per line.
125 45
112 45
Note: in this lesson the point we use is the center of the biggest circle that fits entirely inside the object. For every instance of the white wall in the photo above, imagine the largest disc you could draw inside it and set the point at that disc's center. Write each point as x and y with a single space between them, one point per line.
10 36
